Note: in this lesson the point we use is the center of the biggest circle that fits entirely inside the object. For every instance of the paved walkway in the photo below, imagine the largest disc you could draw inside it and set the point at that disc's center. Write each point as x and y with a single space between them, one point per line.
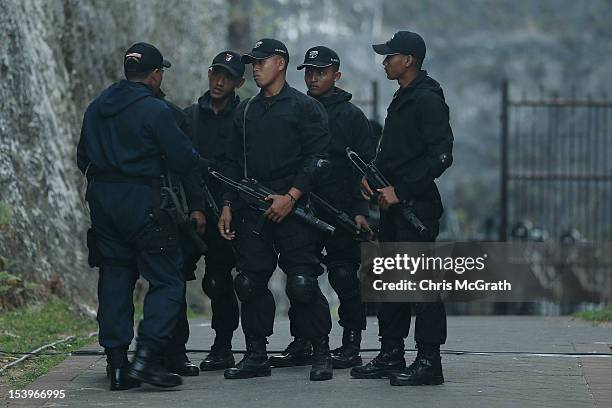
472 380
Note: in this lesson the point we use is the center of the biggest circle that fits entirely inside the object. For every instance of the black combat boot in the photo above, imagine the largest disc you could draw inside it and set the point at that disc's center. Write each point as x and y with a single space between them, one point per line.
321 360
180 364
116 368
218 359
147 367
297 353
425 370
389 360
347 355
220 356
253 364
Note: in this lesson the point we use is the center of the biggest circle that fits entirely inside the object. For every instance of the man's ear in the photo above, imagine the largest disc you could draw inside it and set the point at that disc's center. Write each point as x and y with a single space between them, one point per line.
409 61
209 73
283 63
337 76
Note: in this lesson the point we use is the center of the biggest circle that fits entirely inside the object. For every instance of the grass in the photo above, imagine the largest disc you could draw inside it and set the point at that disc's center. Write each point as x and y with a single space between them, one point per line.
29 327
5 213
596 316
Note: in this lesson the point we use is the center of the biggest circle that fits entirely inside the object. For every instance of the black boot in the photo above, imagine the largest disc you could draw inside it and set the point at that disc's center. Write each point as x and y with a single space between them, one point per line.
180 364
389 360
117 363
297 353
219 358
254 363
425 370
115 357
146 367
321 360
347 355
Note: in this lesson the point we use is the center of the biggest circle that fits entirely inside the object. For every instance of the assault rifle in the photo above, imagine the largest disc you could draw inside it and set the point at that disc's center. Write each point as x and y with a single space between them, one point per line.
185 225
257 192
342 219
211 203
376 180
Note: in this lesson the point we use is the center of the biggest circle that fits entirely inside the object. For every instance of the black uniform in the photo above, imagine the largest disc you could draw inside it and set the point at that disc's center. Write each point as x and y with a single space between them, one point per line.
415 148
209 132
348 128
284 135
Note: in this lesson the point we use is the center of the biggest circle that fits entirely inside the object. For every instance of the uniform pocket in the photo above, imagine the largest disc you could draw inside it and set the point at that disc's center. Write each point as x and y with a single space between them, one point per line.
159 237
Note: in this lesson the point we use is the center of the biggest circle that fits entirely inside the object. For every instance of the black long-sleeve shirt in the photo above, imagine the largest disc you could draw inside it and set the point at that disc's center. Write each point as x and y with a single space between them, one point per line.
285 134
348 127
210 132
416 144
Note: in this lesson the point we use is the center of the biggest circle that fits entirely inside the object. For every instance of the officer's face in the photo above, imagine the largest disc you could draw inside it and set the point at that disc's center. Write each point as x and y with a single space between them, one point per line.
396 65
320 81
221 83
265 71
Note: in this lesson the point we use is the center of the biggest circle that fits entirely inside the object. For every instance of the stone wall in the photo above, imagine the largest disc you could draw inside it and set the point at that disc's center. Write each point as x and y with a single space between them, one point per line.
55 56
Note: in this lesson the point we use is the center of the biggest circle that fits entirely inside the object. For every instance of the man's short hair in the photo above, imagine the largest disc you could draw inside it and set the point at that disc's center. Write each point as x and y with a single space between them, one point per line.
283 58
418 63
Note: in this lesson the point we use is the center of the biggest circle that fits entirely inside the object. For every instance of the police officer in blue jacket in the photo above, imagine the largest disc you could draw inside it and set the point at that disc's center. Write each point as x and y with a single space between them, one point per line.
127 139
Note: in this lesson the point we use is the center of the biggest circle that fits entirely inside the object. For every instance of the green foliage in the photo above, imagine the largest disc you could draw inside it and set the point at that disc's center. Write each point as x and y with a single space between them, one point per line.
14 292
596 316
5 213
29 327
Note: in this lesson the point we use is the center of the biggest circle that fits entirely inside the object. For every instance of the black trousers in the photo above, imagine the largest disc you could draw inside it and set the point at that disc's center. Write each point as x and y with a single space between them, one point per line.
342 261
217 284
292 246
394 318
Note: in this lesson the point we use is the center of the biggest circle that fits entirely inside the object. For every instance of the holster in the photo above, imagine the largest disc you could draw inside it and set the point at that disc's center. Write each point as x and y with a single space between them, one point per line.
94 256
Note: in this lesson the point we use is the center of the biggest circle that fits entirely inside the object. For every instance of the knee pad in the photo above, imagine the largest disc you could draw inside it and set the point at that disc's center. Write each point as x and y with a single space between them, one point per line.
216 288
344 281
245 287
300 288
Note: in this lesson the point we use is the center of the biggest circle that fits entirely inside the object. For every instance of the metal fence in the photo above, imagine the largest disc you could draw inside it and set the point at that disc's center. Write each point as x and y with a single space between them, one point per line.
556 167
371 102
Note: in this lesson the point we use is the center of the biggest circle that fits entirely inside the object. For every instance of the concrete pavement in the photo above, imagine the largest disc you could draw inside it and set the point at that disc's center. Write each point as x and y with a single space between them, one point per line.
513 378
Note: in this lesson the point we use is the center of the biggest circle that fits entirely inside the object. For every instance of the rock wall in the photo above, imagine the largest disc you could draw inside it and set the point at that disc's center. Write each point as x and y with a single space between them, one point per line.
55 56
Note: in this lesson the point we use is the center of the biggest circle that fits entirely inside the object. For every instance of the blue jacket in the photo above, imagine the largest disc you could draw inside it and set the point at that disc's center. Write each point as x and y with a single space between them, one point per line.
127 129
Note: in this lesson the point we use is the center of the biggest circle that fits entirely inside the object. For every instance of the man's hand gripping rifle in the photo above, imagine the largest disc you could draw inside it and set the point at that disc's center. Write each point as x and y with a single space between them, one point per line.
377 181
257 193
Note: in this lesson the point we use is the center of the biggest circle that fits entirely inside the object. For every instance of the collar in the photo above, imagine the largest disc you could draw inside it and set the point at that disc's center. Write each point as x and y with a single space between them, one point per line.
283 94
417 80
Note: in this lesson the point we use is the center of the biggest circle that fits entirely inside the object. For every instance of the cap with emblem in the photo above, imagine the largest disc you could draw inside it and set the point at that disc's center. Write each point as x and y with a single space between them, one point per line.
320 57
142 57
265 48
403 42
231 61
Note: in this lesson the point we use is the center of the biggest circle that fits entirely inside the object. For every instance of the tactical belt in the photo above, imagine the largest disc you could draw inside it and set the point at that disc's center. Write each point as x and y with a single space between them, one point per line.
116 177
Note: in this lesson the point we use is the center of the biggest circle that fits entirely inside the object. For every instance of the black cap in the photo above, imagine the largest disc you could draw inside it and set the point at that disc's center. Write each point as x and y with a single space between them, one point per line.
403 42
265 48
320 57
142 57
231 61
